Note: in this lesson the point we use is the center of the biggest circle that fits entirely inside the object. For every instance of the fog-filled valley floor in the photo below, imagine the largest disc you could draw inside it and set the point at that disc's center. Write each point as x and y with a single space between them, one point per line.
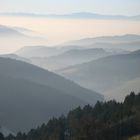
81 87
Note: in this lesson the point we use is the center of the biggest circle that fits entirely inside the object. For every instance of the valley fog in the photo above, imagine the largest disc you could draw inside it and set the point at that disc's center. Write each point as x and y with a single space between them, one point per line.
52 31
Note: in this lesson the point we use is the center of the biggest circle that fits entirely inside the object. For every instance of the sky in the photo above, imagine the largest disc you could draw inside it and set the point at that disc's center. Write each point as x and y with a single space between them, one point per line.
113 7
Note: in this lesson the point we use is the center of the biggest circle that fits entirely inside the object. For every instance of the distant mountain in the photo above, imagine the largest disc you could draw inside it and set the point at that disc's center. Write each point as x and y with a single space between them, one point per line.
6 31
58 57
130 38
45 51
37 51
106 73
15 57
21 29
118 47
81 15
13 37
70 57
30 95
119 43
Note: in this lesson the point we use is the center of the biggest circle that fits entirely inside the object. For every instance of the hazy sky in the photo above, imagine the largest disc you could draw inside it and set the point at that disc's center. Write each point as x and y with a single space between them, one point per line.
122 7
57 31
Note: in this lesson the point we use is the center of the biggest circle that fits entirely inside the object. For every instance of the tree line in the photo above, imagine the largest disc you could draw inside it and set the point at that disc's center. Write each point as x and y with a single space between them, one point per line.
109 120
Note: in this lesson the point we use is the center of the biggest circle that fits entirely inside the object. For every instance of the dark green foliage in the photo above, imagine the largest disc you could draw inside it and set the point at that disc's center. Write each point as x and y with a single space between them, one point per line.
1 136
105 121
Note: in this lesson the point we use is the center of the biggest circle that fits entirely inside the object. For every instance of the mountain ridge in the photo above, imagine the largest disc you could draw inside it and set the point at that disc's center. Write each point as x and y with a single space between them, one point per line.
32 91
85 15
111 72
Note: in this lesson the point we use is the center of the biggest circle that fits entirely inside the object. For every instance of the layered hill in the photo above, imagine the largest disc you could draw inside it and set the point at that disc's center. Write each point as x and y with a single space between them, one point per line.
70 57
31 95
128 38
16 39
25 104
106 73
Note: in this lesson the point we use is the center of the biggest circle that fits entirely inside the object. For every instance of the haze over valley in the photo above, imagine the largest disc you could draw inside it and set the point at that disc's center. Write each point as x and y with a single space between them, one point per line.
69 70
56 31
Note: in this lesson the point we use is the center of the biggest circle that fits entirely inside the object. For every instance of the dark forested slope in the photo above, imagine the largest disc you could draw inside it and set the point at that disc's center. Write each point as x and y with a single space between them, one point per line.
105 121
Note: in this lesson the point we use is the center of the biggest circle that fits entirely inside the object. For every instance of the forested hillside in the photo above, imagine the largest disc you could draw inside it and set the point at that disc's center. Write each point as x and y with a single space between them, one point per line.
105 121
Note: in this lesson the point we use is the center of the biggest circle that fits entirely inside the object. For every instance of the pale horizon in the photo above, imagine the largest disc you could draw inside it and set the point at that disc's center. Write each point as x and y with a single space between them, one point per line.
57 31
